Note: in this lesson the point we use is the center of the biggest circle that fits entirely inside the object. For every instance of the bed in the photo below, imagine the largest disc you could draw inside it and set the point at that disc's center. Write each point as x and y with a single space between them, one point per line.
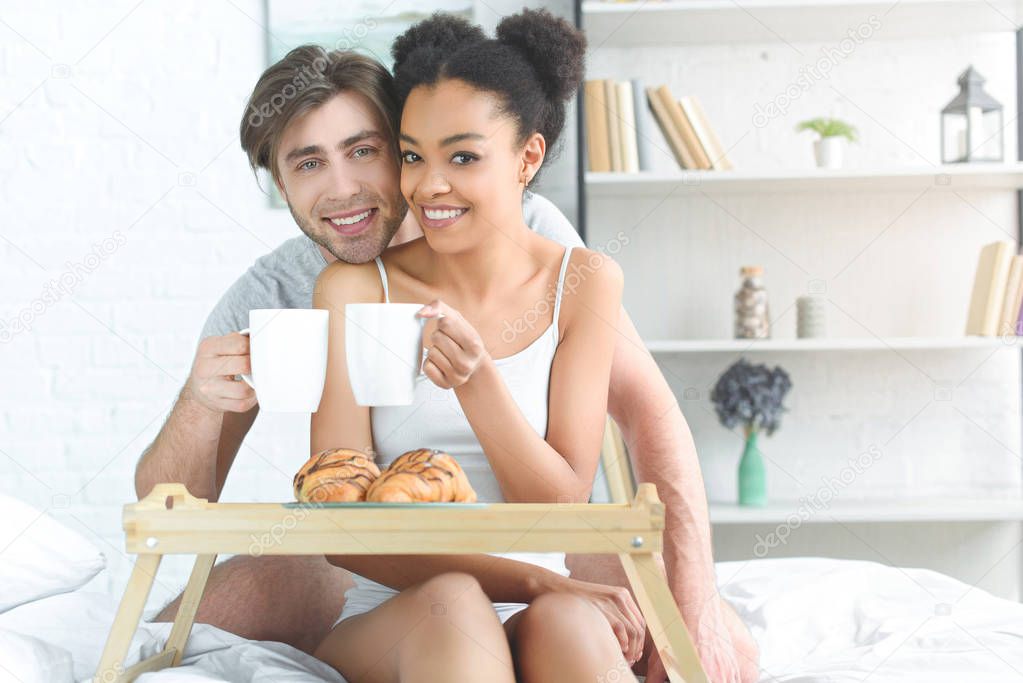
816 620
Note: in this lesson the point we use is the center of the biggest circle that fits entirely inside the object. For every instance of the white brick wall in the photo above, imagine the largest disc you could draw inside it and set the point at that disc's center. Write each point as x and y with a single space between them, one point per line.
120 121
100 122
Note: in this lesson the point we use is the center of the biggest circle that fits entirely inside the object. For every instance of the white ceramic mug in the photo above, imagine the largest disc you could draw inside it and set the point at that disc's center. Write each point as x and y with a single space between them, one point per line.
288 351
383 350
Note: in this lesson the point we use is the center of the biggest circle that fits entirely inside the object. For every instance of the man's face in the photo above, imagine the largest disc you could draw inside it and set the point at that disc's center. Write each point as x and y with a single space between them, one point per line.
340 178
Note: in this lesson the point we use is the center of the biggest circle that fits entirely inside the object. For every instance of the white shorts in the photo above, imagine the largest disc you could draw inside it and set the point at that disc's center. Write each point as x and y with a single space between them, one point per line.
362 599
367 595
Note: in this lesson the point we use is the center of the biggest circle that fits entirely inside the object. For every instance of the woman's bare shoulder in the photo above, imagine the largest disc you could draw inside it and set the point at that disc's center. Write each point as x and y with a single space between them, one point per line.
593 284
597 273
341 283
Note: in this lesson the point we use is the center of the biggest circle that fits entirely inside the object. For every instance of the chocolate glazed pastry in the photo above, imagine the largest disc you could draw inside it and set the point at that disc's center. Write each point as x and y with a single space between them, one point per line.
424 475
336 475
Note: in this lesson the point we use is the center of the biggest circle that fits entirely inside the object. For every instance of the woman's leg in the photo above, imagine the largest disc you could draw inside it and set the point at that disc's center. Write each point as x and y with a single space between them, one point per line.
444 629
561 637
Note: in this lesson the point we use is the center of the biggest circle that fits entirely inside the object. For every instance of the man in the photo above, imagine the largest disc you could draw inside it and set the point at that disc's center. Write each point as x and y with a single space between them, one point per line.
324 124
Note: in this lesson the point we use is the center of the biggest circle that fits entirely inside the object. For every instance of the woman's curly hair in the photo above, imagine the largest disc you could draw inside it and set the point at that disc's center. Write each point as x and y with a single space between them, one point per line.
533 65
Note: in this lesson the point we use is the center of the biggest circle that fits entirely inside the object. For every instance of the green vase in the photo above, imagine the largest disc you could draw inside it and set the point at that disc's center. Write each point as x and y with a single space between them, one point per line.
752 475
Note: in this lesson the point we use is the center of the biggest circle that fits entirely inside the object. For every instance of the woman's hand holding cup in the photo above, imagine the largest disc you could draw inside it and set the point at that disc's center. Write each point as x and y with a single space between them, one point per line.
454 350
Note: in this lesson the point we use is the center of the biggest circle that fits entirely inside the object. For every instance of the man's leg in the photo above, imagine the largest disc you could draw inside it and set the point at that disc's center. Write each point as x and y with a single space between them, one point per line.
291 599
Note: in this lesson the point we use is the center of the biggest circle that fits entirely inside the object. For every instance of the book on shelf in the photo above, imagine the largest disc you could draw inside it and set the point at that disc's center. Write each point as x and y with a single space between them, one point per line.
627 128
619 132
644 153
598 151
1008 321
712 146
997 292
684 129
678 147
613 125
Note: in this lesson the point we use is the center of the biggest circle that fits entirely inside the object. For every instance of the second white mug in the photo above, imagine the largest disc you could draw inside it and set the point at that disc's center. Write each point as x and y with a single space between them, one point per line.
383 350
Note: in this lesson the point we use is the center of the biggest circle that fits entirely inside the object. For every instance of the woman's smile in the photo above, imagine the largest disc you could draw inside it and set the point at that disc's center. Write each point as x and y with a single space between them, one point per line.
440 215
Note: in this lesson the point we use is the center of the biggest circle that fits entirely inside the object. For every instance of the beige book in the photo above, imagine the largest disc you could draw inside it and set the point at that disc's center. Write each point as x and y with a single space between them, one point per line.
1013 297
597 144
701 135
989 289
685 130
678 147
715 150
627 131
613 124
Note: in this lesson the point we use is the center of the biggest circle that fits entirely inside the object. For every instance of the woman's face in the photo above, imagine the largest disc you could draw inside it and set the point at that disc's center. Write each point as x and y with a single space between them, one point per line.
461 170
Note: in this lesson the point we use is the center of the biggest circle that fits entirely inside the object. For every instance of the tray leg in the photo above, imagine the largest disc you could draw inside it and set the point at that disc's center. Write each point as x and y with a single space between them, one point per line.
189 605
111 663
669 633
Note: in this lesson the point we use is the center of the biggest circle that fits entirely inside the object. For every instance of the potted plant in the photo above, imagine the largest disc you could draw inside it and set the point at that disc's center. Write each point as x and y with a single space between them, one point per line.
751 395
828 149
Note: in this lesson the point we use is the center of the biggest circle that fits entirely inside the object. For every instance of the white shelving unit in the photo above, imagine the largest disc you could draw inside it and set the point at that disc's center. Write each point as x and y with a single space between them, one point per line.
682 22
945 178
873 512
668 346
703 22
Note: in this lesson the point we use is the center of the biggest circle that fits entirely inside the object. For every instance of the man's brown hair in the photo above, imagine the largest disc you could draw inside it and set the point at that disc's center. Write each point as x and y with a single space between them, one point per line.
302 80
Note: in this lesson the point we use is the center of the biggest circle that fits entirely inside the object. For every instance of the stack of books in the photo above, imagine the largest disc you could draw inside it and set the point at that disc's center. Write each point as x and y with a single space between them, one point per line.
618 132
997 292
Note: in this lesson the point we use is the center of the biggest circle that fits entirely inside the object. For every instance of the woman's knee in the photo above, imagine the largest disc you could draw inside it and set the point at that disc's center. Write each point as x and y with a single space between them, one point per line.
451 591
567 605
554 612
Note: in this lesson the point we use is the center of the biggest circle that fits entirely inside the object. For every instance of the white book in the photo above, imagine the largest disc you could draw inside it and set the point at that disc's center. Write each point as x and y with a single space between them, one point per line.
627 128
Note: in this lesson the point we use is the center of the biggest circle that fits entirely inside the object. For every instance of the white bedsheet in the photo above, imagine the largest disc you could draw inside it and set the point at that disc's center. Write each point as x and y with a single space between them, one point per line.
816 620
820 620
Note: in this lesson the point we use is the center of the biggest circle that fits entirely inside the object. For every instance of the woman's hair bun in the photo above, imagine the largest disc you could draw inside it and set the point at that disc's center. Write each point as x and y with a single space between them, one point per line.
441 33
554 47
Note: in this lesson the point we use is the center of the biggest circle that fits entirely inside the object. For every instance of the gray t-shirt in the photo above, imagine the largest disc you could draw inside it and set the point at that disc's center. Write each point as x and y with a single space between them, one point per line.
285 277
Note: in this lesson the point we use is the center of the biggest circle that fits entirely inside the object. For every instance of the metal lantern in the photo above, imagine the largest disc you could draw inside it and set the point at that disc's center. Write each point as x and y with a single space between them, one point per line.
971 124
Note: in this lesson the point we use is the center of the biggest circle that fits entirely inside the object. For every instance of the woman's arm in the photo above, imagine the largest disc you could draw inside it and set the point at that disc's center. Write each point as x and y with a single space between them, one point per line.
340 421
505 580
529 468
502 579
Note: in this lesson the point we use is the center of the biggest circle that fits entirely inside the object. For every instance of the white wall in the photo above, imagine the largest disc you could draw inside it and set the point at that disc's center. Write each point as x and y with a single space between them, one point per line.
119 122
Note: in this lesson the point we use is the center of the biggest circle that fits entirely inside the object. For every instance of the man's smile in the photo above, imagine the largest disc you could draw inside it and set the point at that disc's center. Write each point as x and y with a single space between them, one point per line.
351 223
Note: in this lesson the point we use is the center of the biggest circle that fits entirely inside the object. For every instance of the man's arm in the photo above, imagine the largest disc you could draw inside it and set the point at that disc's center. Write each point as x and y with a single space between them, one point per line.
200 439
662 451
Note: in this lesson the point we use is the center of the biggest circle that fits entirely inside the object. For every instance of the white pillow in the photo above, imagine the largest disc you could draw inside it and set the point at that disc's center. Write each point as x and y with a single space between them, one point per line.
30 660
39 556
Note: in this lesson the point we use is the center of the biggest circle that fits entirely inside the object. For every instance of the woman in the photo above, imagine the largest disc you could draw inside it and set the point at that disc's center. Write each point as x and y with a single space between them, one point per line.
515 380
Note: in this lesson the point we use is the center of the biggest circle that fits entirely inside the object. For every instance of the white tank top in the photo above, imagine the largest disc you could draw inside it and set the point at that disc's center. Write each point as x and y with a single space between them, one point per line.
435 418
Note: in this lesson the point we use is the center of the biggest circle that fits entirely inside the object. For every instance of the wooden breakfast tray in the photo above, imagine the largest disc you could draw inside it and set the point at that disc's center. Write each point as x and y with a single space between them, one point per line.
171 521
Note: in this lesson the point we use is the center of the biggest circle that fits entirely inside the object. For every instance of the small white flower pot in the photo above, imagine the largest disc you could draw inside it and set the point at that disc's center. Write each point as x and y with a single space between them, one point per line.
828 152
